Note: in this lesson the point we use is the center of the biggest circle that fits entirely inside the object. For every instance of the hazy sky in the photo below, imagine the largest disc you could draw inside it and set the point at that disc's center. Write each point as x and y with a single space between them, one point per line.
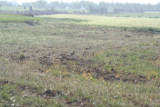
122 1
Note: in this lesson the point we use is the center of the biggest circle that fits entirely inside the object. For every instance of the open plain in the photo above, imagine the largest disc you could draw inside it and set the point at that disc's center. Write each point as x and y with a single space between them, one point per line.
73 60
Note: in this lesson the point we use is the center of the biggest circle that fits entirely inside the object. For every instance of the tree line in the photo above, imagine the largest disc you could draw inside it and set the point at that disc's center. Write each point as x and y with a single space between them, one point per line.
98 8
92 7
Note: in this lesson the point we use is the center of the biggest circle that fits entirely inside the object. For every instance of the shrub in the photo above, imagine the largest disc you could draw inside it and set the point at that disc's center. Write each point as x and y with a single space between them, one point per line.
29 22
29 14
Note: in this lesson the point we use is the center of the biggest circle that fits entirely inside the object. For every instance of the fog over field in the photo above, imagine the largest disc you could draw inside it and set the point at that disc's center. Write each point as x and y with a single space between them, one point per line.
120 1
78 53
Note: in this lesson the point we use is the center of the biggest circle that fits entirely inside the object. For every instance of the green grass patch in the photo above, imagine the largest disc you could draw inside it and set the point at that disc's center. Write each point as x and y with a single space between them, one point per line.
131 60
139 15
74 91
16 18
69 20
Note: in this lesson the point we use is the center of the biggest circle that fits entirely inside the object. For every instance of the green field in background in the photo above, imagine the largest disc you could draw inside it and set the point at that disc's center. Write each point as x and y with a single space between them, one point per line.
20 8
139 15
17 18
110 21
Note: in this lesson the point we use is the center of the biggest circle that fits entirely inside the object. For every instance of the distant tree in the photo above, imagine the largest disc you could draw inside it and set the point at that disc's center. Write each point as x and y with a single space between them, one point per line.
103 7
30 8
40 3
27 4
5 3
53 4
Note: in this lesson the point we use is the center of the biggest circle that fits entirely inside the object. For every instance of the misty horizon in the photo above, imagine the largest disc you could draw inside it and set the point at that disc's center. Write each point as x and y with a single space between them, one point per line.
97 1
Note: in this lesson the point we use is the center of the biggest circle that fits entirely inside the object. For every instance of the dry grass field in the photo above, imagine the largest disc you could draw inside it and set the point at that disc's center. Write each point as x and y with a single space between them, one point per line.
121 22
74 61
